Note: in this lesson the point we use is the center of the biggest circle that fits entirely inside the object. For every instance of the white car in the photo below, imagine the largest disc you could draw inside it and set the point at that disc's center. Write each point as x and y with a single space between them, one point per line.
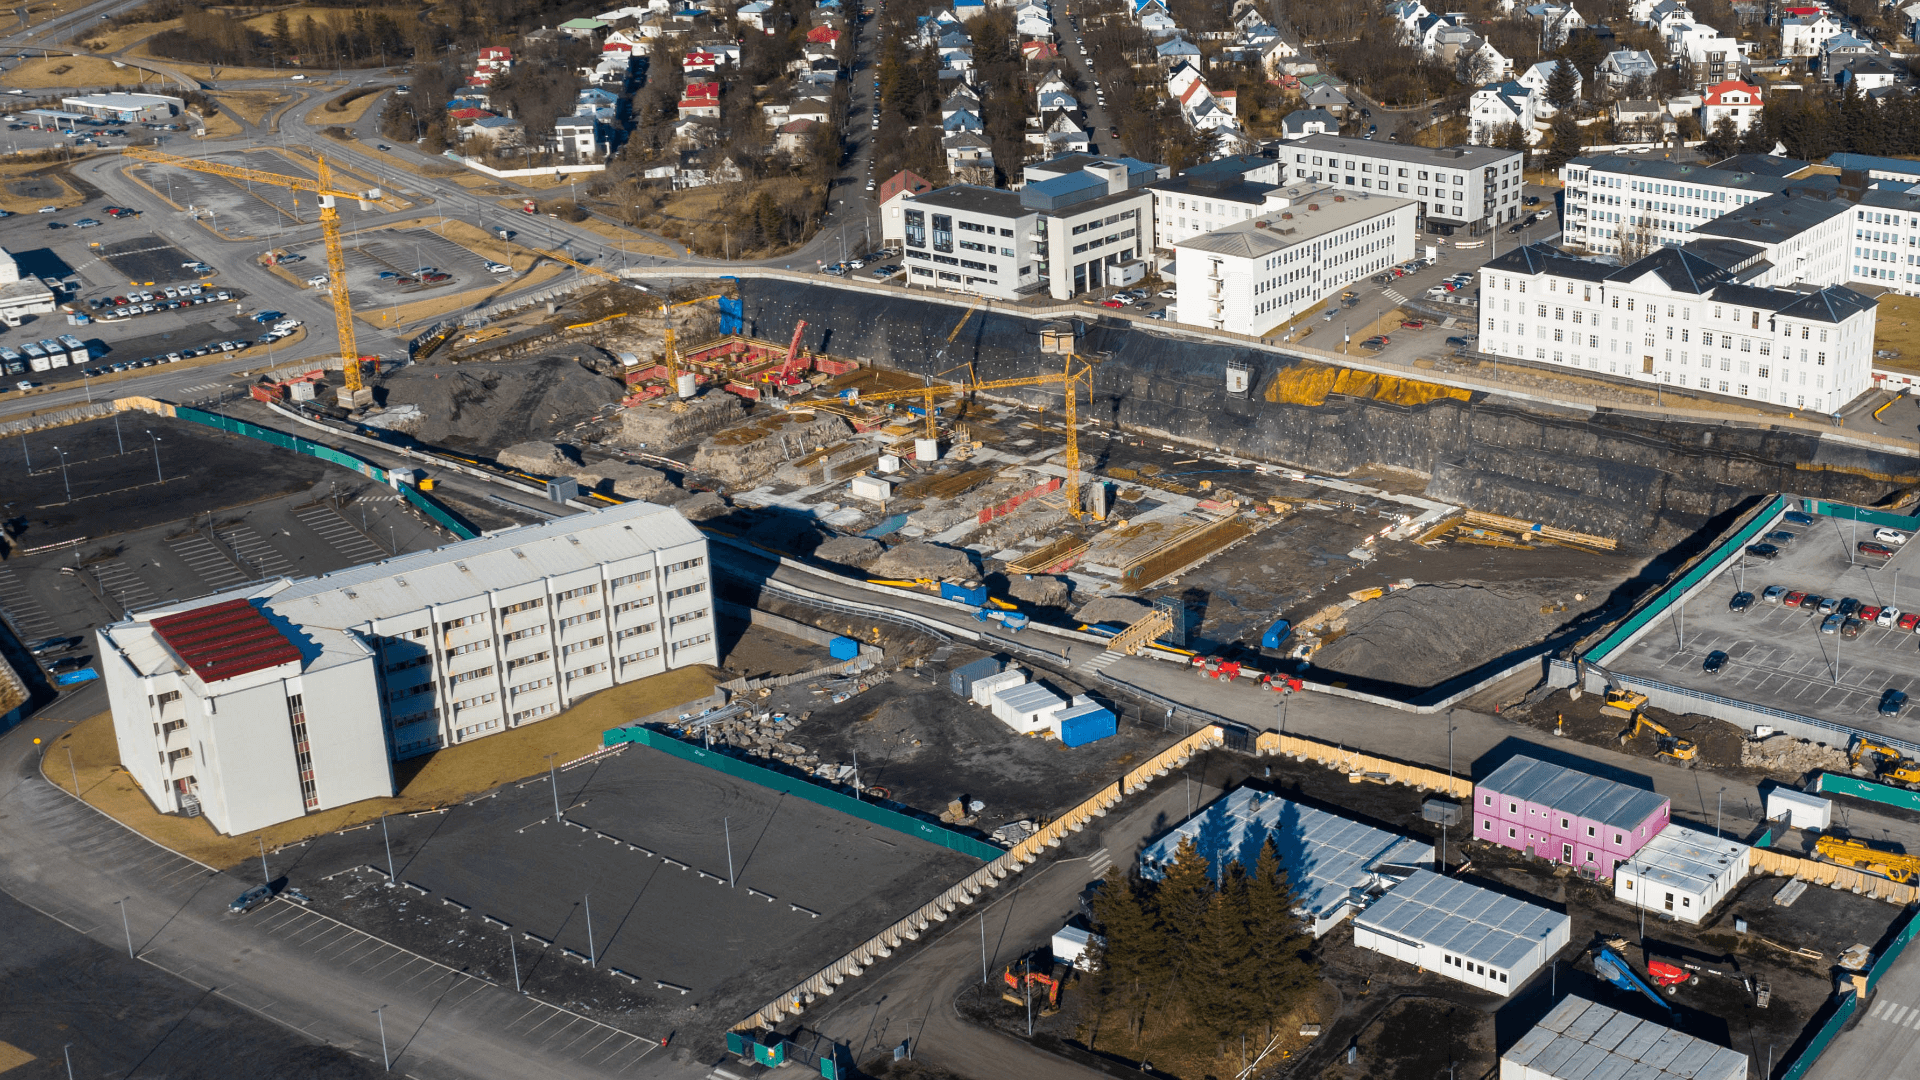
24 385
48 210
499 268
287 325
1888 616
1890 536
318 281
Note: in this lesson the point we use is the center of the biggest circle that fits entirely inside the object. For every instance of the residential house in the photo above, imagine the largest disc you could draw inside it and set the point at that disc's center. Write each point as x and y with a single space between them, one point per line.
1622 66
1063 135
1157 23
1535 79
698 62
1869 73
967 150
963 121
1732 99
1329 97
1177 50
1282 56
700 99
1037 51
895 190
1049 100
577 137
1032 21
810 108
493 60
1477 57
582 29
760 15
1556 22
1406 16
1181 78
503 132
620 41
1497 105
823 35
1301 123
694 132
968 10
964 100
1803 35
795 136
599 104
1642 120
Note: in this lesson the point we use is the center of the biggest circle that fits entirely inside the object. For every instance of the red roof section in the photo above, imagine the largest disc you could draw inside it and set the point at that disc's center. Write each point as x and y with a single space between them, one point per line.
905 180
223 640
823 35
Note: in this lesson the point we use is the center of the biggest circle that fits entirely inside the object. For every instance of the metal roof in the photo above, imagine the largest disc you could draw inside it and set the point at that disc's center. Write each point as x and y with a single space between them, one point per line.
1572 792
469 568
1583 1040
1330 860
1029 697
223 640
1688 858
1463 918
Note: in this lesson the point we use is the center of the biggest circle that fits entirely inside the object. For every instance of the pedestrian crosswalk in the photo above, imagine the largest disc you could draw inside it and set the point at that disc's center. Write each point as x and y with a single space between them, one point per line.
1902 1015
1099 863
1099 661
1394 295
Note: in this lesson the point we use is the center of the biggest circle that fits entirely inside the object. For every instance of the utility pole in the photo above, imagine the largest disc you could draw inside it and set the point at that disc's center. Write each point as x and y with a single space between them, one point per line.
391 879
553 782
386 1060
126 926
515 954
586 899
727 825
266 876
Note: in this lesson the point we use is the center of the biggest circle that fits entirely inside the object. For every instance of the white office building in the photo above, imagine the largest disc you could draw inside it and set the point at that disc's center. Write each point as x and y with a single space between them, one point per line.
1259 272
21 296
1470 187
287 697
1079 222
1466 932
1581 1040
1682 873
1699 317
1617 203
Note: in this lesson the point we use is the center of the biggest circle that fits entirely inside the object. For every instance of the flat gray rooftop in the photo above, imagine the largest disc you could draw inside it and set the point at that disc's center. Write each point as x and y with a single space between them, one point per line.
1777 655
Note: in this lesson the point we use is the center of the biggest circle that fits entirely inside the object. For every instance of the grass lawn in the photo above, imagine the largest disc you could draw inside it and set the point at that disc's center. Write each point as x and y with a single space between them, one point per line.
104 40
252 105
350 111
1898 328
221 126
66 199
71 71
425 783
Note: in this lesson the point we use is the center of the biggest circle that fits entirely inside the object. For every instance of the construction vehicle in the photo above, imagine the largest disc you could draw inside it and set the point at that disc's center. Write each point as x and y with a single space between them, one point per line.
1862 856
1610 967
1885 763
1669 744
353 392
1014 621
1049 980
1070 382
1213 667
1623 703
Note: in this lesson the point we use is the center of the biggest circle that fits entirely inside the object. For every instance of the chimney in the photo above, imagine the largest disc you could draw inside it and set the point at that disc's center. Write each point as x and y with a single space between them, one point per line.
1313 206
1260 224
1286 215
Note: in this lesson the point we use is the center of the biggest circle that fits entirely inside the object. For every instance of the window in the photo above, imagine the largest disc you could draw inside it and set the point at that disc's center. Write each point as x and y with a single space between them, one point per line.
472 703
1486 825
633 605
694 640
686 617
675 594
574 594
469 676
942 232
455 624
1513 808
524 605
590 643
515 665
688 565
534 685
581 673
1487 799
1619 840
168 698
535 713
459 650
1590 831
1513 833
580 619
403 665
630 579
476 729
531 631
916 228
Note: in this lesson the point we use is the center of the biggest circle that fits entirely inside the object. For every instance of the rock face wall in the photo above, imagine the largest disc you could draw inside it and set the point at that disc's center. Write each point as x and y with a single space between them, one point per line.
1646 481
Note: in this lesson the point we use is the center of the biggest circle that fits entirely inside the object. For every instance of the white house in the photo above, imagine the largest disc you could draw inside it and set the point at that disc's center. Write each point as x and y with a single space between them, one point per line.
1682 873
1733 100
1535 79
1622 66
1494 106
1556 23
1803 35
1301 123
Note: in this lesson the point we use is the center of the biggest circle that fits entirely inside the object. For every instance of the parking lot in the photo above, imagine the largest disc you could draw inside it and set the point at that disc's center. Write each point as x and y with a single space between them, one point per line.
238 209
399 255
1777 655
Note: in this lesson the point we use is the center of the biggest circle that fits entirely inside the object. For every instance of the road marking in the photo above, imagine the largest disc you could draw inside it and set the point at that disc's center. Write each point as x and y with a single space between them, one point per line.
125 586
1394 295
207 561
18 602
1893 1014
334 529
257 552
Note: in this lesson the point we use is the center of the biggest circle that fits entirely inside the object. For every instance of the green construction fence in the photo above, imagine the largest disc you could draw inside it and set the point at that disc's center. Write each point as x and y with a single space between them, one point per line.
1894 948
1816 1046
416 498
1836 784
1865 515
803 789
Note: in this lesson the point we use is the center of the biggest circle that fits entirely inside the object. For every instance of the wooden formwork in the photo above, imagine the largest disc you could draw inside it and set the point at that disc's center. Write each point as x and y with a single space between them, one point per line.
1768 861
1361 766
1184 551
1057 555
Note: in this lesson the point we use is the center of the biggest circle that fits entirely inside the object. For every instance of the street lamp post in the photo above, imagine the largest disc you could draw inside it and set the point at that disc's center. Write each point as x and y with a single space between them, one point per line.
553 782
386 1060
125 925
156 457
63 472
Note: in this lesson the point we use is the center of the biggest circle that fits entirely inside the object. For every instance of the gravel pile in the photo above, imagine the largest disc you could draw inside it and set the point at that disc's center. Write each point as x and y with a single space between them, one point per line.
851 551
656 426
484 408
1427 634
1124 610
1041 590
702 506
623 478
917 559
1789 756
539 458
749 453
767 736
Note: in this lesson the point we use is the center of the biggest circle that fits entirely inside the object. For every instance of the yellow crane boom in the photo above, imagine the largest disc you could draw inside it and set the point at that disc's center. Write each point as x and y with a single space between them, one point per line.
323 188
1069 380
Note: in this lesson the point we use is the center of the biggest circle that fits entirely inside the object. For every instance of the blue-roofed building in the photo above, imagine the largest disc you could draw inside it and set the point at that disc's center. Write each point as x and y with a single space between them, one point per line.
1878 168
1334 864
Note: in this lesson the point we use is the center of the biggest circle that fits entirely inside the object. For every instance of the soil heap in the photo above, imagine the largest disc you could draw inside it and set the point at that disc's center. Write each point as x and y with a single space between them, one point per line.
749 453
657 427
483 408
1425 635
539 458
918 559
851 551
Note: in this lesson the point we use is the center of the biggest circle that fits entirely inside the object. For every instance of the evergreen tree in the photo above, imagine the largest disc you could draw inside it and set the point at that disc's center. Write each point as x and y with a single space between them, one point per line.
1758 139
1722 141
1562 89
1566 142
1284 975
1129 957
1221 980
1181 898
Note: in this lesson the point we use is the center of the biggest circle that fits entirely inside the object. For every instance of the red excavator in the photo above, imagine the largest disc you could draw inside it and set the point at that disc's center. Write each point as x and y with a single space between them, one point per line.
1048 981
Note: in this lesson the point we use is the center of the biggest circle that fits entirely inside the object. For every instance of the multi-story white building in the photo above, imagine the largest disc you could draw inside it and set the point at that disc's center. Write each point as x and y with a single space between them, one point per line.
1210 196
1616 204
1884 248
1079 222
288 697
1256 274
1470 186
1689 317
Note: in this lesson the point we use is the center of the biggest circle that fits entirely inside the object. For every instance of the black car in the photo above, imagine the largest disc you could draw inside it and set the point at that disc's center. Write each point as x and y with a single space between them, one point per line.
1716 660
1850 628
68 663
1797 518
1781 537
1531 200
52 646
1892 702
1763 551
1848 605
1459 343
1741 601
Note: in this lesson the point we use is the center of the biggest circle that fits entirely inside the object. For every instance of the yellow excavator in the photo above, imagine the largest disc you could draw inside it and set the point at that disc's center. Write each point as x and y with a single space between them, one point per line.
1862 856
1670 745
1885 763
1623 703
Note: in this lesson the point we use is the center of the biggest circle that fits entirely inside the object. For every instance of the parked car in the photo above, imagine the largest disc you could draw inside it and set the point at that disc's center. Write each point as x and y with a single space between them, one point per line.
1741 602
1890 536
1793 599
1781 537
1763 551
1459 343
1848 605
1892 702
1773 594
1868 614
1412 324
1376 343
1908 621
1888 617
1827 605
68 663
55 645
1879 551
1714 662
1830 625
1797 518
250 899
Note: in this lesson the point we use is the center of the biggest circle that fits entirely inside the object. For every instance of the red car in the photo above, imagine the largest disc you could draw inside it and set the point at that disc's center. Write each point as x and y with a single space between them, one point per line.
1793 599
1868 614
1111 303
1878 550
1413 324
1909 621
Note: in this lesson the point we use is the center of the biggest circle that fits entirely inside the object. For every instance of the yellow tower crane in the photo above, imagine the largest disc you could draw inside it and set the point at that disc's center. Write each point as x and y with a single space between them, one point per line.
354 393
1069 380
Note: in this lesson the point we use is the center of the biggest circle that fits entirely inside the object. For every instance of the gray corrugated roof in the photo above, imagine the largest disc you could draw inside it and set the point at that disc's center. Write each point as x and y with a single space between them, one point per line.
1463 918
1582 1040
1583 794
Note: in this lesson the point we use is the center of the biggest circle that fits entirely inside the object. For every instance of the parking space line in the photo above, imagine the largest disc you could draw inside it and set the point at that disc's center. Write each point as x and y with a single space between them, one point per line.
551 1013
206 561
343 537
27 613
126 587
261 555
568 1026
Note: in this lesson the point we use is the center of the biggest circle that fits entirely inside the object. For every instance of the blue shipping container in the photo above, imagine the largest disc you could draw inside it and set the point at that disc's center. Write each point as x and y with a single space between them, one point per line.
75 678
843 648
1085 727
1277 633
977 596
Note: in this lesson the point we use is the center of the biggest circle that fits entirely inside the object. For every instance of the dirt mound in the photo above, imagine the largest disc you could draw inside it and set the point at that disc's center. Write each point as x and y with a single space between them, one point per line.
1788 756
917 559
624 478
851 551
1427 634
483 408
539 458
702 506
1123 610
658 427
1041 590
749 453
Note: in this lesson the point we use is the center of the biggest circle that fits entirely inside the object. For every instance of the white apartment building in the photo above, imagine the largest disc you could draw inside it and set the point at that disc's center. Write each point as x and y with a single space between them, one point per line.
1256 274
1472 186
1884 245
288 697
1212 196
1615 202
975 239
1688 317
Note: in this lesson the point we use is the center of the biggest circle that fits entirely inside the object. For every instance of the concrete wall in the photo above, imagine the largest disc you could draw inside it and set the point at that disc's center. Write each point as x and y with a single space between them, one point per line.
346 732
